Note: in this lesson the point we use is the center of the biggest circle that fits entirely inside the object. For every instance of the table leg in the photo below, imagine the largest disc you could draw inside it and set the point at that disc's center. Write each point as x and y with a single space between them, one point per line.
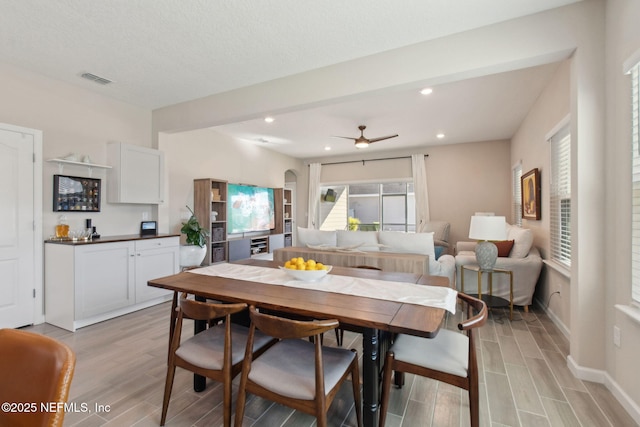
370 377
199 382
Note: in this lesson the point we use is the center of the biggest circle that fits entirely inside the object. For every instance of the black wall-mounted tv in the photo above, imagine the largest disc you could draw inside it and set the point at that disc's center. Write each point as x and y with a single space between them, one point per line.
249 208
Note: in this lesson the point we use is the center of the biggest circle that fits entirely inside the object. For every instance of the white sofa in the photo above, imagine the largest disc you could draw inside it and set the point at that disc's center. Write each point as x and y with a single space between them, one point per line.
523 260
383 241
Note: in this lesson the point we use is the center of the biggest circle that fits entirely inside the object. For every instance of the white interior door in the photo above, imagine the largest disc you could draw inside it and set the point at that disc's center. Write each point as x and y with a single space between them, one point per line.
18 269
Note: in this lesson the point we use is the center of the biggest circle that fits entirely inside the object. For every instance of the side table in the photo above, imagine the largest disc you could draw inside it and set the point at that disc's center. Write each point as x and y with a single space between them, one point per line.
489 299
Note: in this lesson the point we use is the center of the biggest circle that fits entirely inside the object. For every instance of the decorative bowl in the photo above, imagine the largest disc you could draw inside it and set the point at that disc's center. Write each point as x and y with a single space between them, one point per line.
307 275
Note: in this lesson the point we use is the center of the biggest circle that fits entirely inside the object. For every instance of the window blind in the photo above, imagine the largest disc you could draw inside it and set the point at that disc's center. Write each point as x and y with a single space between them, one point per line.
635 196
560 196
516 209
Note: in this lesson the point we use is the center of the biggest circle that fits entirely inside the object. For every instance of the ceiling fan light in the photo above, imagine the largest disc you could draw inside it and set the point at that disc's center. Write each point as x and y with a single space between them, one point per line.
362 144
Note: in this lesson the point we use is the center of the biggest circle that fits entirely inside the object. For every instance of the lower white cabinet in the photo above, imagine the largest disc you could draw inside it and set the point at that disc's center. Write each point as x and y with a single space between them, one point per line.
91 282
155 258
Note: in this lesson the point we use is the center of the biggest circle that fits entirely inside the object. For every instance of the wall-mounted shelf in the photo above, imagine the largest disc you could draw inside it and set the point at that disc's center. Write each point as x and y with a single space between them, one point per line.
89 166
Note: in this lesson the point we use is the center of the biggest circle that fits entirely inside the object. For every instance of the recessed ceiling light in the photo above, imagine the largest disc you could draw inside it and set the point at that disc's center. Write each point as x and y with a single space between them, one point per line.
426 91
327 148
440 135
269 119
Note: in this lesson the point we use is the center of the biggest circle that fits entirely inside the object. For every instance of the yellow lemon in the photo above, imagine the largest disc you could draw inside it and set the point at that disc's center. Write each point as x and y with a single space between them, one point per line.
287 264
294 260
319 266
311 264
292 267
302 266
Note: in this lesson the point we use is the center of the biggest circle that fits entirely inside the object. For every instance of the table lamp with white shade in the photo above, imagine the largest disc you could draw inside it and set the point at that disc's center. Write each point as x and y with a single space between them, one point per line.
484 229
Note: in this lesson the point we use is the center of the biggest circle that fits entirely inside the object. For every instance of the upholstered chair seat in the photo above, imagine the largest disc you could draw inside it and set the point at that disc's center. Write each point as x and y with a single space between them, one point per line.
292 362
206 349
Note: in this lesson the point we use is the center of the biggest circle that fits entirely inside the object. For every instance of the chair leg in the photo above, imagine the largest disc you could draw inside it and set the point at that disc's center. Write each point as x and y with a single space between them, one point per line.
168 385
339 336
227 402
474 404
355 381
241 398
386 388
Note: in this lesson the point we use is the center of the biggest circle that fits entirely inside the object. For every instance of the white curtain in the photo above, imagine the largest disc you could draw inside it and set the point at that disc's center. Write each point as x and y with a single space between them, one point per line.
421 193
314 194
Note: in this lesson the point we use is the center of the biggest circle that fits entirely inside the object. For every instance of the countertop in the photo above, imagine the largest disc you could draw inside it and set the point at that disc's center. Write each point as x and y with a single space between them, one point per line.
109 239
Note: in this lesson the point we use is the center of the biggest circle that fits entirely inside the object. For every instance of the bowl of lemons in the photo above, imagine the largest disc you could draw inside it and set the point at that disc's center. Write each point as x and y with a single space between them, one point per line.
307 270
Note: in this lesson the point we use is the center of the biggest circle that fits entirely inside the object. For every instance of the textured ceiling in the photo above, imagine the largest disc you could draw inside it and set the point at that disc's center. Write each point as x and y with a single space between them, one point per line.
163 52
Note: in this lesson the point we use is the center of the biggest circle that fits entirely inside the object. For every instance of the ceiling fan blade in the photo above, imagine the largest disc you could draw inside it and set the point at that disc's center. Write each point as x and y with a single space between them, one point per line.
345 137
381 138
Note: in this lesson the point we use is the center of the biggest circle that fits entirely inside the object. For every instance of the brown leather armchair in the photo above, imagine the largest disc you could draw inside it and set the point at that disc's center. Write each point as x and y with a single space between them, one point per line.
35 376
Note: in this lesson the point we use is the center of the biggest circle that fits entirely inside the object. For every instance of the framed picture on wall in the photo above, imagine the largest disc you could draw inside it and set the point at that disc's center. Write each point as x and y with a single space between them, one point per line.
530 189
74 193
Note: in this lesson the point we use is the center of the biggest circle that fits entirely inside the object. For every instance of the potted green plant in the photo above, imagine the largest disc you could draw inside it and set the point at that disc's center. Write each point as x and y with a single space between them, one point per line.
194 250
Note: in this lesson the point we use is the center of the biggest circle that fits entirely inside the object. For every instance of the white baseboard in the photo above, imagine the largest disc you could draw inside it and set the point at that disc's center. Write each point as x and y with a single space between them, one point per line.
602 377
595 375
555 319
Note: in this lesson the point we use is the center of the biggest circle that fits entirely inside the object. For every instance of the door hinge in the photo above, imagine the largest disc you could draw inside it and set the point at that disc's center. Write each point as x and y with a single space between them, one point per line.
34 157
34 293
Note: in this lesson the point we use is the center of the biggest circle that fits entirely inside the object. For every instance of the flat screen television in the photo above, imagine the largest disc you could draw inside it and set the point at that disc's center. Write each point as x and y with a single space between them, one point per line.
249 208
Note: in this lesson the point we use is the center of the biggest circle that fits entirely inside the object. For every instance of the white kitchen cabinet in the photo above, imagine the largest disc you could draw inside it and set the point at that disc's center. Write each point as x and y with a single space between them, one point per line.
86 283
137 174
104 278
155 258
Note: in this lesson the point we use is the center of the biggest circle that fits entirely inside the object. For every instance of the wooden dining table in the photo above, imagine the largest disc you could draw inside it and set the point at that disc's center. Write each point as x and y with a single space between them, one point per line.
375 318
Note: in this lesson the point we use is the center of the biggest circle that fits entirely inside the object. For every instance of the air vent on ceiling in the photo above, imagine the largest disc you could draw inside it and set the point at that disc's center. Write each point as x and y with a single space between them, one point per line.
96 79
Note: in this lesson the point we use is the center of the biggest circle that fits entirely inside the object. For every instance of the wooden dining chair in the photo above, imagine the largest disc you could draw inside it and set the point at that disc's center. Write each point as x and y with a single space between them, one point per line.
295 372
449 357
35 373
216 353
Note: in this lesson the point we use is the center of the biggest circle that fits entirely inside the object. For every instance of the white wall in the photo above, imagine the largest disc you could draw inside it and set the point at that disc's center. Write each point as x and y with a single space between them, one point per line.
75 120
453 174
623 39
529 145
206 153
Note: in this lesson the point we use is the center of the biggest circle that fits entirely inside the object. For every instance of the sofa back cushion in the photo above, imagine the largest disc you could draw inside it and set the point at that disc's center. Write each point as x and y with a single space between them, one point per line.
415 243
358 240
310 236
440 230
522 241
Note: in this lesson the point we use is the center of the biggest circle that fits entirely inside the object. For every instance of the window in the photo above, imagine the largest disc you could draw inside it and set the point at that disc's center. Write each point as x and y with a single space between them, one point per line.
373 206
635 187
560 195
516 209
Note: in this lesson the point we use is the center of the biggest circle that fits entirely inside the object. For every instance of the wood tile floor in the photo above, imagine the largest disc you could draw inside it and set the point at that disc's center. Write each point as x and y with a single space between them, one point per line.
121 367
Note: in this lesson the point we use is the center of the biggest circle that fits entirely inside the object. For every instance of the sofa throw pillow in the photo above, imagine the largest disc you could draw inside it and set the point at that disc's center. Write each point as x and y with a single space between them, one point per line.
309 236
358 240
522 241
504 247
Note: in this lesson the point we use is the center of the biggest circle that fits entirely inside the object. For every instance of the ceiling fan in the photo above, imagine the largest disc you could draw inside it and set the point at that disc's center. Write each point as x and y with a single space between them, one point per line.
362 142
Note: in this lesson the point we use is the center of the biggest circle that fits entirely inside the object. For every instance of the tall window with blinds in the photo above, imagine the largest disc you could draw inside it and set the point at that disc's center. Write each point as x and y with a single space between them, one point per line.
516 204
635 196
560 196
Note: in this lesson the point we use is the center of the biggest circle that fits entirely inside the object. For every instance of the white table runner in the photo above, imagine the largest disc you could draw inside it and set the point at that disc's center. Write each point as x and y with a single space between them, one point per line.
430 296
